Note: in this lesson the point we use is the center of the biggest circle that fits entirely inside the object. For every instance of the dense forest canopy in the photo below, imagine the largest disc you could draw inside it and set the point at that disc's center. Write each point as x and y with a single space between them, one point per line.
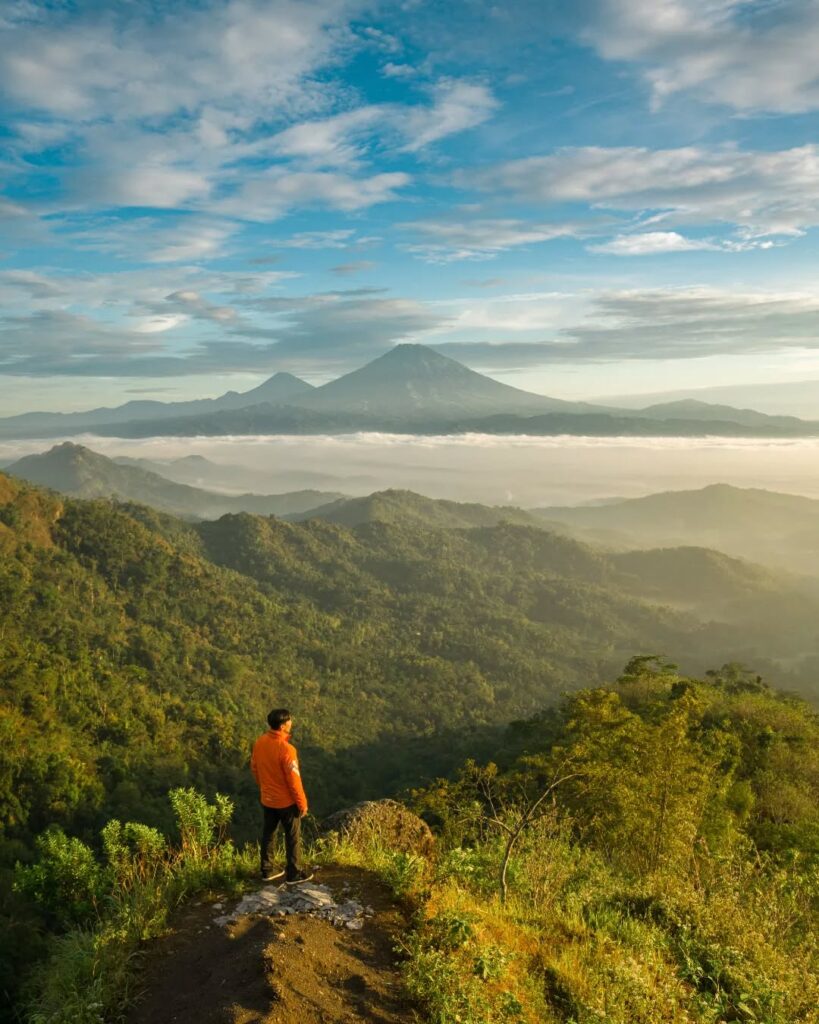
141 653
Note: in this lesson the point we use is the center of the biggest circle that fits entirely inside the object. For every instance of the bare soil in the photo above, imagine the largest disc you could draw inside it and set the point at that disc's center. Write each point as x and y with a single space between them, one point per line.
292 970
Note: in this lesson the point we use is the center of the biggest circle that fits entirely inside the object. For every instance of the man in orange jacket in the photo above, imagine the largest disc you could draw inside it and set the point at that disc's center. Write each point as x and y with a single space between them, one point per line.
275 768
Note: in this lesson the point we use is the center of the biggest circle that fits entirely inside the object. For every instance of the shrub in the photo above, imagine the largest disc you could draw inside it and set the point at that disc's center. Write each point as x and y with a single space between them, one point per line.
201 825
66 882
133 851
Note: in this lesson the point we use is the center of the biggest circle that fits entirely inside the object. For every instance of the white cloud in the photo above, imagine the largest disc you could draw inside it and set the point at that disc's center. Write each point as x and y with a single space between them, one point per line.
191 304
629 325
339 238
162 186
343 139
247 55
652 243
746 54
28 284
393 70
271 195
160 323
10 210
692 322
151 239
190 242
457 106
334 140
762 192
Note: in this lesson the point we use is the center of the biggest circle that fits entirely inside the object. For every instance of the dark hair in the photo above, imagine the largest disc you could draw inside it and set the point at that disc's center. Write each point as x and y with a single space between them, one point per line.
277 718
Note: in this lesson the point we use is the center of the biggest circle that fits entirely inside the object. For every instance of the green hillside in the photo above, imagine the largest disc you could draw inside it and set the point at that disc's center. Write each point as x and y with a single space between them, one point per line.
140 653
670 873
405 506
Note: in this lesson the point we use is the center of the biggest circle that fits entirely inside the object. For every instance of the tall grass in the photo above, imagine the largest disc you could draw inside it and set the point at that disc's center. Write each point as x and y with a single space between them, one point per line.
109 907
579 942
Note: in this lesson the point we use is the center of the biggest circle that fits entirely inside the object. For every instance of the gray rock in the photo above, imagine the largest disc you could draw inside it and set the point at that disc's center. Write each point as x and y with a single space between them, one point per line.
309 899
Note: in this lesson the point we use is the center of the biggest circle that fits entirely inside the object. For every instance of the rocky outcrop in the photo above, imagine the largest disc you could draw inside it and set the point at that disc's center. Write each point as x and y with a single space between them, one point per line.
307 898
383 821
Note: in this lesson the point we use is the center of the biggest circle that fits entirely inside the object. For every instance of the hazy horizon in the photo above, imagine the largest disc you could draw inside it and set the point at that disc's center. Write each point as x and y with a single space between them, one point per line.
490 469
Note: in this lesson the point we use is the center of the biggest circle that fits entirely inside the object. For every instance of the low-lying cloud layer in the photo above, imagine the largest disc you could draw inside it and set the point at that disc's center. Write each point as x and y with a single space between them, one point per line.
525 471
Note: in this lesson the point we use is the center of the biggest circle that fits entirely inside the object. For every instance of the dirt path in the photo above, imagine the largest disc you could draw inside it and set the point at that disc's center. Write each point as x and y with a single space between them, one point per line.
292 970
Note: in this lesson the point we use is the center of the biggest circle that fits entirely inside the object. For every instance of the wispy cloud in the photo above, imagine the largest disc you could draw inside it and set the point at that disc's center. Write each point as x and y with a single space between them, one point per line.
449 240
242 56
739 53
764 192
456 107
356 267
684 323
273 194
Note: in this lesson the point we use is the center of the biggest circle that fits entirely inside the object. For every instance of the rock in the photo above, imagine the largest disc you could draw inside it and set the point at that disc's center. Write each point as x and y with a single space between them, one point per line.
310 899
385 821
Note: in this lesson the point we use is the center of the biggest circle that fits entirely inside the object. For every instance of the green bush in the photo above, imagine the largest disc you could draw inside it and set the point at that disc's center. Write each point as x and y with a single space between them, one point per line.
201 825
90 973
66 883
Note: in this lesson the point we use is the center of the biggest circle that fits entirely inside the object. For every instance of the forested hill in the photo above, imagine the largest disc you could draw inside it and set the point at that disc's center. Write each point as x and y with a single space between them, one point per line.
140 652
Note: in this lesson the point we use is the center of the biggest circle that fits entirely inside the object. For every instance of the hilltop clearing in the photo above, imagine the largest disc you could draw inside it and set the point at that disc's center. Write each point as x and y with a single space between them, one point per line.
279 970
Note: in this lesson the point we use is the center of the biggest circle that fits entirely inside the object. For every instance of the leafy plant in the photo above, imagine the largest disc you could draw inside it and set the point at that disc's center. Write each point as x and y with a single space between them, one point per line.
66 882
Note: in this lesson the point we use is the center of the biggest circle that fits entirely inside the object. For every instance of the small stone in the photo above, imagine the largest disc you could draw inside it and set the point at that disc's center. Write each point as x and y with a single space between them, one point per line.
355 925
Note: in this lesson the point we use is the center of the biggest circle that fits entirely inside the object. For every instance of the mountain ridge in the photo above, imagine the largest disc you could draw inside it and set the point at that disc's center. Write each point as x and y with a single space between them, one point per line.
770 527
79 472
278 387
409 389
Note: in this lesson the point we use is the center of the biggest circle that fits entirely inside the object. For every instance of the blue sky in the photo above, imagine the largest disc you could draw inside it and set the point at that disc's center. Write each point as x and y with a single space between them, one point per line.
579 198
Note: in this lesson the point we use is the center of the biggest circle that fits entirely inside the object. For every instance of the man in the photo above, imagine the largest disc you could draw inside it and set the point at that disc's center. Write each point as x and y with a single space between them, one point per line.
275 768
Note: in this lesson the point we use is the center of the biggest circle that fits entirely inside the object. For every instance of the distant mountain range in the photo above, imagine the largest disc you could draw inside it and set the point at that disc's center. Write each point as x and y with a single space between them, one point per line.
281 387
792 398
410 389
777 530
780 530
79 472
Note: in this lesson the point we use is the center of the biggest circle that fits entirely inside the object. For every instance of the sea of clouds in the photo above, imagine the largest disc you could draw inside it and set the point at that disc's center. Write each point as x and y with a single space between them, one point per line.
519 470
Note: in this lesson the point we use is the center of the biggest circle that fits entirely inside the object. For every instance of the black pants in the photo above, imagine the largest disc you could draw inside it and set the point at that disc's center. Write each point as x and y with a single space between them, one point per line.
289 818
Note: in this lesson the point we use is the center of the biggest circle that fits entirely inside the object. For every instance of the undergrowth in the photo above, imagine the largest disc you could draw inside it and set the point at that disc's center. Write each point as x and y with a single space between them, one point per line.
579 942
105 908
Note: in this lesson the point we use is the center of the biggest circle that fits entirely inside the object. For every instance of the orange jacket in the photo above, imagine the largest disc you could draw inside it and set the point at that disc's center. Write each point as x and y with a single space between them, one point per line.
275 767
